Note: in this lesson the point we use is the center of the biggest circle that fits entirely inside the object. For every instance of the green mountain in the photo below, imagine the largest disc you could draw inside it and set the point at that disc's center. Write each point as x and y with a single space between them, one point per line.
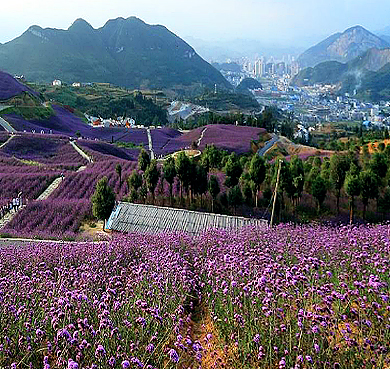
326 72
368 75
248 84
373 86
342 47
124 52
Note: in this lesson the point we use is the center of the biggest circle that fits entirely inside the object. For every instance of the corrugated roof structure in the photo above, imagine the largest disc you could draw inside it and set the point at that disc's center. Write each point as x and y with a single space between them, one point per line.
129 217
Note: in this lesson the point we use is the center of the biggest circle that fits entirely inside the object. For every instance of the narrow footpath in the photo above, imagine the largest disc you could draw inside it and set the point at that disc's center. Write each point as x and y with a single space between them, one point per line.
201 136
54 185
9 216
150 143
5 143
81 152
43 196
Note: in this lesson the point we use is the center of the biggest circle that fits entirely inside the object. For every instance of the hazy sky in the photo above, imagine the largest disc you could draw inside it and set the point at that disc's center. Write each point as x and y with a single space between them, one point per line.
279 21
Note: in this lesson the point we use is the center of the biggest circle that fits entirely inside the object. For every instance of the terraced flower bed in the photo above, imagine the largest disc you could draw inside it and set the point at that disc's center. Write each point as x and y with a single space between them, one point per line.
44 149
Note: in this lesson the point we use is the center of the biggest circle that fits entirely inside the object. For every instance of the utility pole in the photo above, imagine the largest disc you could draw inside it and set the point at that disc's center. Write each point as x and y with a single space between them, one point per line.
275 193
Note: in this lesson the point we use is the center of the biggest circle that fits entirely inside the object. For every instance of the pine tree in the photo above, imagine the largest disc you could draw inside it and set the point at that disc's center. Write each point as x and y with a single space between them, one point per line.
318 190
233 170
118 170
235 197
143 160
339 166
169 173
257 174
369 188
183 170
152 175
103 200
134 181
352 187
213 187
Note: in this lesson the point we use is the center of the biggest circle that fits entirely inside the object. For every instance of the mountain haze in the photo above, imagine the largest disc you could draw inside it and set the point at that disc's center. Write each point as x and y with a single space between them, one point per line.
341 47
368 75
125 52
334 72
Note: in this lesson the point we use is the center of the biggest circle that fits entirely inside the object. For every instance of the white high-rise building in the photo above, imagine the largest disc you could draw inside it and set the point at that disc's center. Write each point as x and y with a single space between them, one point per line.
259 68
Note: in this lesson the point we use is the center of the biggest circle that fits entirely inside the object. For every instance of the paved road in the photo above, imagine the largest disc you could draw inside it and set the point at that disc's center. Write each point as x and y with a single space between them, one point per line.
268 145
7 126
4 123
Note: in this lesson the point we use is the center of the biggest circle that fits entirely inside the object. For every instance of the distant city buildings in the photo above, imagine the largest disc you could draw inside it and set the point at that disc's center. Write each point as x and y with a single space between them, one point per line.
56 82
286 67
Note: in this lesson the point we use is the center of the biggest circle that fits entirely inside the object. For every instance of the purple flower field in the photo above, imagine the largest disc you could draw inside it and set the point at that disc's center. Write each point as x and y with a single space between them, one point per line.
61 215
30 184
10 87
65 122
3 135
231 138
16 176
224 136
45 149
300 297
137 136
81 185
288 297
49 219
103 151
161 138
181 142
94 305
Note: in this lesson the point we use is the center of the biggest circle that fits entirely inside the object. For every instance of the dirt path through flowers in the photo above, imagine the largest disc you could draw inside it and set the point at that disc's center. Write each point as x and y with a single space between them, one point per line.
208 351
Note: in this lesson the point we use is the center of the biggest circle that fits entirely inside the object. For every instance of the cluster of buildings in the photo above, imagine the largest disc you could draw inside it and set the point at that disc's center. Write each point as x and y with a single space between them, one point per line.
263 67
314 106
280 71
58 82
119 122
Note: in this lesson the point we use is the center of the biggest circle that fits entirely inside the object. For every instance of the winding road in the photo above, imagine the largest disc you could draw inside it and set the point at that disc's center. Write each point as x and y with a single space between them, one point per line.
268 145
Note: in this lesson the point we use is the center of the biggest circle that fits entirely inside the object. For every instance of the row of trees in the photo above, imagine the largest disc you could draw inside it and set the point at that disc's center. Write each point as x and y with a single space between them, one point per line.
251 179
270 119
194 177
348 172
